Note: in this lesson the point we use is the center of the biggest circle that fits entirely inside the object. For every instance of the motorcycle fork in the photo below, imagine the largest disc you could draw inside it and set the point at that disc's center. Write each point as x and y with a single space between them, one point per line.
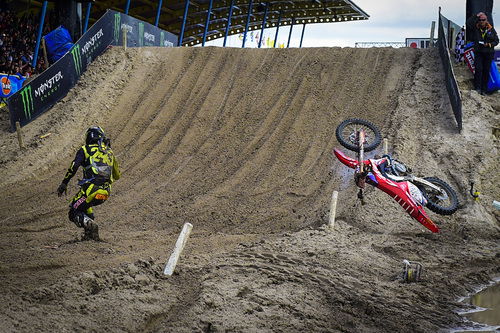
360 177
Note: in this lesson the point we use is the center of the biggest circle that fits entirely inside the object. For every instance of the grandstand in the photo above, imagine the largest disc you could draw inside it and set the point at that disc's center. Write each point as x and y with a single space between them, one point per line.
18 41
197 21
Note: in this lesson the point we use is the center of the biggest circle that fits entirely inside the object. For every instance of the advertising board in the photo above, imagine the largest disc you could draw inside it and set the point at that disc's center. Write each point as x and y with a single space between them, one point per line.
40 94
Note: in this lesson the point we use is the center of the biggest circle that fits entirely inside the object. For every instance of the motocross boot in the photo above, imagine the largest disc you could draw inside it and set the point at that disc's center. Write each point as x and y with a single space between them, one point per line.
91 229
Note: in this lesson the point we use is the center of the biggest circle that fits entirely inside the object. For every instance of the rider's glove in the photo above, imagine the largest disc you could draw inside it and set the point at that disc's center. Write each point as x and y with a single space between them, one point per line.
61 189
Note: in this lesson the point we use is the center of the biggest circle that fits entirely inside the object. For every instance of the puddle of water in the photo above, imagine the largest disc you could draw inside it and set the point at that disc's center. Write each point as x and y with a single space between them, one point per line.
486 312
489 299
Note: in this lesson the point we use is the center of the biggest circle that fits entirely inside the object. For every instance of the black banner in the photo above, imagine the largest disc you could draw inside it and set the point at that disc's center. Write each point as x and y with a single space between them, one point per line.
450 81
53 84
92 44
140 33
475 6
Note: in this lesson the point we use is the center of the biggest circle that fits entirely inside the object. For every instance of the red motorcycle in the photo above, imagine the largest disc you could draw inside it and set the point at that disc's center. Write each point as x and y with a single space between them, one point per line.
391 176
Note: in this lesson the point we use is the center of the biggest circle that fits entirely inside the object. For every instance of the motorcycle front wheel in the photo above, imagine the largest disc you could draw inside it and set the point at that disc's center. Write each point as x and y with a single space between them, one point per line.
443 201
346 134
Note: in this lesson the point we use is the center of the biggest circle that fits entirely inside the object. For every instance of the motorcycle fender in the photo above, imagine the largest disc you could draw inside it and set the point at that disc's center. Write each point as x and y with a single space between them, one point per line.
400 193
426 221
350 162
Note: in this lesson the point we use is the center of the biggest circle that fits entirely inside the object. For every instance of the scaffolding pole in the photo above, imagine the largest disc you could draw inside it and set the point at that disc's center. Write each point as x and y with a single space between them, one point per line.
127 7
263 24
228 22
302 36
87 16
183 26
160 3
250 3
207 22
277 29
290 33
39 35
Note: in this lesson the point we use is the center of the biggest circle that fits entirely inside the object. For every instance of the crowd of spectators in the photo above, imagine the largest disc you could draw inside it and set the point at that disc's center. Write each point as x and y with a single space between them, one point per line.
17 43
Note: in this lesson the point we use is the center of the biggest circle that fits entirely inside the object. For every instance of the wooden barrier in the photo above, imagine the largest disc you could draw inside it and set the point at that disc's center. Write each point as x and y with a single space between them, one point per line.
45 58
333 209
179 246
124 36
19 135
433 28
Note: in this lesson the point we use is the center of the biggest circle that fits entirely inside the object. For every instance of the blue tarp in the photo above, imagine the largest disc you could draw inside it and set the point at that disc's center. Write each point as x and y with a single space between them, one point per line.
58 42
494 81
10 84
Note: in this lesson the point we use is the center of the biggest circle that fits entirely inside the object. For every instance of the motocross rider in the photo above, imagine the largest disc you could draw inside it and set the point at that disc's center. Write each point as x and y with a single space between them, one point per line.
100 169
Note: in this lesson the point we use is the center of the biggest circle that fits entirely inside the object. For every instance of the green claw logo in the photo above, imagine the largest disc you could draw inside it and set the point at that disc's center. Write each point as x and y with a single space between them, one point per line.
141 34
116 31
27 98
77 59
162 38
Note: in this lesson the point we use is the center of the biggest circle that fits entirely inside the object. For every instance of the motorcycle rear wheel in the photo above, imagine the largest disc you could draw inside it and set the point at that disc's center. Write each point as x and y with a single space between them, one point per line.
444 202
346 134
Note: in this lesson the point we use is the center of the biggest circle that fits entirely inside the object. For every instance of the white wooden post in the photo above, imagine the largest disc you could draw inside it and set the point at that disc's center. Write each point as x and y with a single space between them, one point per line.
19 135
124 36
45 58
179 246
333 209
433 26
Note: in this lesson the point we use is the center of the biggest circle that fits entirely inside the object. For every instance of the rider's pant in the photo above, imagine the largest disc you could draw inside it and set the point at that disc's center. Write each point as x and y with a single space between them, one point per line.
482 64
89 195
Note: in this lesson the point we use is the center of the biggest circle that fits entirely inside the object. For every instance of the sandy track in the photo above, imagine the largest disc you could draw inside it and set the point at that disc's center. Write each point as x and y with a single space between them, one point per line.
238 142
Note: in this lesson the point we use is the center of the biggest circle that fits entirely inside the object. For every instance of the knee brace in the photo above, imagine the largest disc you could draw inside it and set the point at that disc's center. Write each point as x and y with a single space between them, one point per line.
76 217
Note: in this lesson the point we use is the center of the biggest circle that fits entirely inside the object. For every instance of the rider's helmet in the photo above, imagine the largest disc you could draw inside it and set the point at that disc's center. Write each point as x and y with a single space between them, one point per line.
94 135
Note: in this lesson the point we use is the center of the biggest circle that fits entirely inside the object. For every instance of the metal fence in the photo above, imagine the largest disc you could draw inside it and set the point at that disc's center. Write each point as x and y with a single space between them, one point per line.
379 44
451 82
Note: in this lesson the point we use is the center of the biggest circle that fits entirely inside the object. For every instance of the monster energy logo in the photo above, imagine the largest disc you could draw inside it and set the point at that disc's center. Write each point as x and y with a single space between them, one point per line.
116 31
77 59
162 38
141 34
27 98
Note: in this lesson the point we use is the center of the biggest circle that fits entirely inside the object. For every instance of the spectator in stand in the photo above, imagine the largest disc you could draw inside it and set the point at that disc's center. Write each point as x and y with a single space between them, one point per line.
485 39
18 41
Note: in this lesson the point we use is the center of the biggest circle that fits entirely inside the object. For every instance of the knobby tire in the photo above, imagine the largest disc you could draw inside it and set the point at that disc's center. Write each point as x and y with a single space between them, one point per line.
372 134
434 204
